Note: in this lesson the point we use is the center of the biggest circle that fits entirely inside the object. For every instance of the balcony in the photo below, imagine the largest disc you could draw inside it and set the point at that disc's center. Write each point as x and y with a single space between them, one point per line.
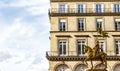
87 12
73 56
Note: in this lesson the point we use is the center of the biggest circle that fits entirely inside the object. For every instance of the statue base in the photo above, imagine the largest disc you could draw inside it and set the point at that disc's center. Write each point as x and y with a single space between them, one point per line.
95 70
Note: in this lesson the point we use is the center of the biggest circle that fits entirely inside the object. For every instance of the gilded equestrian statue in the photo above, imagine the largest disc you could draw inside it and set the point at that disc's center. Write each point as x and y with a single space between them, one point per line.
95 53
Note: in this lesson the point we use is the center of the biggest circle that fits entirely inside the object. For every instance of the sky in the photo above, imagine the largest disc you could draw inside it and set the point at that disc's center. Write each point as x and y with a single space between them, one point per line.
24 35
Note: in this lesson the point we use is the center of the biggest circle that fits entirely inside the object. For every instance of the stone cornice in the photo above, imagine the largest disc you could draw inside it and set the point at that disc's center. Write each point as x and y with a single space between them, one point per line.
82 36
63 36
78 58
79 32
83 14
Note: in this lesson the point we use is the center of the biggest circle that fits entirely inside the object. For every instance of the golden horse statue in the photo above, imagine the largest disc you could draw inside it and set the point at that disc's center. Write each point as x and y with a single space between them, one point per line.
91 55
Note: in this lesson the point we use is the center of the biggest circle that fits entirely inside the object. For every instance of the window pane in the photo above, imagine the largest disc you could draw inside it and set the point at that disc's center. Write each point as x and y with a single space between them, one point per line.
81 67
81 44
99 24
83 49
117 49
61 8
62 47
117 25
117 67
79 49
62 26
117 46
80 25
80 8
116 7
62 68
98 8
102 46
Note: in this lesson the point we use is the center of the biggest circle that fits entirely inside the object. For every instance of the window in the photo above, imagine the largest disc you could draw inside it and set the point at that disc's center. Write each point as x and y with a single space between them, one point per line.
100 66
99 8
116 7
81 8
117 67
62 68
117 24
62 8
80 24
81 67
80 47
99 24
117 46
62 25
102 46
62 47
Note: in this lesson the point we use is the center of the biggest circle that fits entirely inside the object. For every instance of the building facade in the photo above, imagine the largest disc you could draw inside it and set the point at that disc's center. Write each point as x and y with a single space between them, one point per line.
73 24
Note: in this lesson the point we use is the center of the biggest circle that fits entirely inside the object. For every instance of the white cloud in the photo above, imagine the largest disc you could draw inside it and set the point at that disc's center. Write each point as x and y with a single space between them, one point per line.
17 30
23 3
34 7
38 10
27 57
21 55
4 55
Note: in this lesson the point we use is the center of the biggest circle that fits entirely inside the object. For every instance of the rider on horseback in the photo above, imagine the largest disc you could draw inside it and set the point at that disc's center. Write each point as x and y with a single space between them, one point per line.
96 49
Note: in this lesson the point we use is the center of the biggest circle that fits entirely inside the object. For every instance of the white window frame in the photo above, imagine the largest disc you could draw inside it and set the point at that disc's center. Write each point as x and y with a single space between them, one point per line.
81 52
61 51
81 28
117 25
62 25
96 10
61 9
102 43
118 44
84 8
116 8
98 23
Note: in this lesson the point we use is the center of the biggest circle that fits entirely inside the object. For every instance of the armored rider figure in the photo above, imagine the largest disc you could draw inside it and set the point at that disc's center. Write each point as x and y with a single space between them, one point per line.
96 49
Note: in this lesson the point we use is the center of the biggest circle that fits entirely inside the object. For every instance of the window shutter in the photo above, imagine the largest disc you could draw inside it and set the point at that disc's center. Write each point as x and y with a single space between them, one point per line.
119 7
93 8
66 8
84 8
112 7
76 10
104 47
102 7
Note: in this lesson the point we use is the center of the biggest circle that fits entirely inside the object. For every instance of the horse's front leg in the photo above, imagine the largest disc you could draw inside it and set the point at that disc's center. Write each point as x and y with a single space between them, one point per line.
86 62
91 64
105 63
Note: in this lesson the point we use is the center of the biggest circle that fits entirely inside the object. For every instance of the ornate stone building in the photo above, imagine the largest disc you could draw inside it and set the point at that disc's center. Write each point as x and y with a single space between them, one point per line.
73 24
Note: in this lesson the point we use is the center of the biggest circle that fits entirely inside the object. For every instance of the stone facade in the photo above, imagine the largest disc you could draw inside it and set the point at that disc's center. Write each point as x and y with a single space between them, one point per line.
65 43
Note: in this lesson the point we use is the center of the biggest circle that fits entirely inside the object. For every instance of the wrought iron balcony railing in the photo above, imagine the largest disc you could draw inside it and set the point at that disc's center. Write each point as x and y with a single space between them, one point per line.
75 53
68 53
78 11
74 56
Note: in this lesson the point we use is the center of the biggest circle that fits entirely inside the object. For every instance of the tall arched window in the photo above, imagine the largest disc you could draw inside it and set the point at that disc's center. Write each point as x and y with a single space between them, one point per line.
81 67
62 68
100 66
117 67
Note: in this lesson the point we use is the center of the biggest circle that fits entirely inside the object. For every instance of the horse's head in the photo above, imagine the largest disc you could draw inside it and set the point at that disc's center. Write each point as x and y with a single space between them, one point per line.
87 48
